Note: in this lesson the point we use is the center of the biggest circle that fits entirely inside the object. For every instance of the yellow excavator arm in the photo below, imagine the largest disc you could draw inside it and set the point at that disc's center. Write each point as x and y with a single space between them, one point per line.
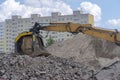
26 41
110 35
65 27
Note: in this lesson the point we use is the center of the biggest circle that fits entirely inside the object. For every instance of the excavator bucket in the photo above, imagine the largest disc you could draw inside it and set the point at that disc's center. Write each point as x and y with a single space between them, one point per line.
32 46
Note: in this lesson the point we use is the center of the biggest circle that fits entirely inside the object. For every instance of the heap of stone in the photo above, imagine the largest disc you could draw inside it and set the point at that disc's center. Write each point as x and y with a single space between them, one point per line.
41 68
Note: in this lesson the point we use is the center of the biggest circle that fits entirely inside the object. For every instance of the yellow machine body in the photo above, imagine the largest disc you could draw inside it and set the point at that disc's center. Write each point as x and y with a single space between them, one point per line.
31 44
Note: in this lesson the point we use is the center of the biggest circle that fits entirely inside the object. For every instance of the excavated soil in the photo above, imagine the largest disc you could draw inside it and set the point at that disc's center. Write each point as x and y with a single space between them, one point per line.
82 44
86 49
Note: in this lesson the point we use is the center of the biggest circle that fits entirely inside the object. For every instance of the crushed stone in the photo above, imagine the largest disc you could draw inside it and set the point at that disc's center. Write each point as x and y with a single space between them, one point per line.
23 67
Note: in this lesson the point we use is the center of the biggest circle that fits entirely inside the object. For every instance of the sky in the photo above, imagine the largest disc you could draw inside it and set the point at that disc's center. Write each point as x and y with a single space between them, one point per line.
106 12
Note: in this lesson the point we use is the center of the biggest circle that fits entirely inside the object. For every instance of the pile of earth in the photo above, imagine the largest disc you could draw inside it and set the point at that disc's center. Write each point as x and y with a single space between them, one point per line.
86 49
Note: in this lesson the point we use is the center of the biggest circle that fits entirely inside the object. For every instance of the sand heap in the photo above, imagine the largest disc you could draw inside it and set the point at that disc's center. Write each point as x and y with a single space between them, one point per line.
86 49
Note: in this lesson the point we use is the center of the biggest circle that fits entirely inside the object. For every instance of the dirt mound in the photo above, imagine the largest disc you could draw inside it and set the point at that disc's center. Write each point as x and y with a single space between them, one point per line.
86 49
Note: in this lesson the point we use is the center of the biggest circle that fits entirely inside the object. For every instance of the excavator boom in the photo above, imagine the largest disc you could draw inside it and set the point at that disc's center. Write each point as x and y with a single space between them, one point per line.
109 35
31 43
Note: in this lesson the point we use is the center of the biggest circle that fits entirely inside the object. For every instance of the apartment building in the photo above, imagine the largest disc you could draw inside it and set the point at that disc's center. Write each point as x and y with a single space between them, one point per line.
17 24
2 37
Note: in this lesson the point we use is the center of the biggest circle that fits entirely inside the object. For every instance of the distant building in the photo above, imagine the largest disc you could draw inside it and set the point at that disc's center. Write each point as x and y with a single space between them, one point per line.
2 37
18 24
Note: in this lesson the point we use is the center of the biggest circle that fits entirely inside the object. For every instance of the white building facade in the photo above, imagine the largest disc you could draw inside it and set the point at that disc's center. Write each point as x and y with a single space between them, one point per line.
2 37
18 24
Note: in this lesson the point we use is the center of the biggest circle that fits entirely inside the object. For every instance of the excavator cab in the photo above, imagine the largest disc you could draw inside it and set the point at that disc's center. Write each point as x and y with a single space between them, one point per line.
30 43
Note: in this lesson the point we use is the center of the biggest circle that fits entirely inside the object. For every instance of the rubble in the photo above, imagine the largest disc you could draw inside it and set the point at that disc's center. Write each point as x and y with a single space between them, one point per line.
80 58
41 68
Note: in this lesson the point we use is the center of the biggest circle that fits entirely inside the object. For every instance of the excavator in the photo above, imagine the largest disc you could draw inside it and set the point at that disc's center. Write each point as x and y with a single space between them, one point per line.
31 43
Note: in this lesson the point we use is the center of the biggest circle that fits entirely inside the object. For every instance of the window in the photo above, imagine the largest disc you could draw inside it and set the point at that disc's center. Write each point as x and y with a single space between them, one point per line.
13 20
26 21
14 23
59 19
46 20
70 18
81 17
18 21
67 18
85 22
62 39
62 19
76 19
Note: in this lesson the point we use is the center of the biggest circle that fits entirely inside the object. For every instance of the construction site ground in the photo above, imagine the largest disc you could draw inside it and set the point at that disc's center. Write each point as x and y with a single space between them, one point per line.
79 58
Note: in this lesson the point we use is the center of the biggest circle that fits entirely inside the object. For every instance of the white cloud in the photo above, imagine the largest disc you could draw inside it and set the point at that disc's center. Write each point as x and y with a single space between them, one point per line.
48 6
114 22
43 7
91 8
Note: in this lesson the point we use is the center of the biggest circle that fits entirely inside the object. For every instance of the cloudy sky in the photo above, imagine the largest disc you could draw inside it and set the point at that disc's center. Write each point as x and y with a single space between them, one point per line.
106 12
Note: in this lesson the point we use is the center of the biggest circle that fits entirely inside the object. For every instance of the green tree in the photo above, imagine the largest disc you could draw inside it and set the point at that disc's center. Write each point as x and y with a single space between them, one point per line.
50 41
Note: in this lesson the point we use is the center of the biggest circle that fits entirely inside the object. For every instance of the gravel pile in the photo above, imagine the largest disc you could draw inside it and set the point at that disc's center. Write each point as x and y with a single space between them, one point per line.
42 68
53 68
